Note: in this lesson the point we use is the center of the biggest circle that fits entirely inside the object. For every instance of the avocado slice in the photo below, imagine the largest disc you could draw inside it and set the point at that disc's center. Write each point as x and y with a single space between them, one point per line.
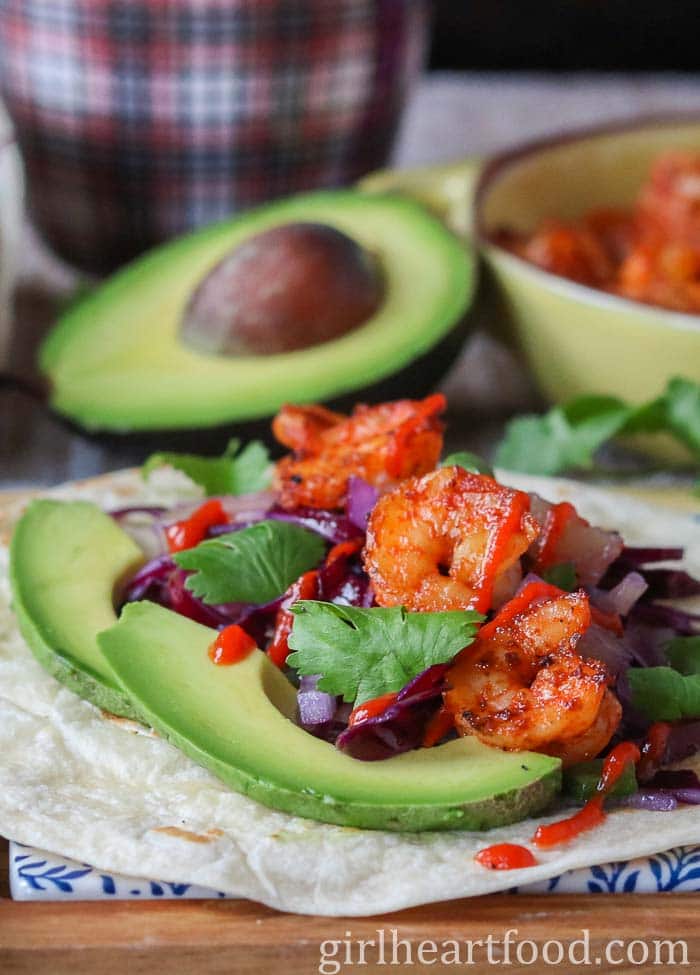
66 560
116 361
237 721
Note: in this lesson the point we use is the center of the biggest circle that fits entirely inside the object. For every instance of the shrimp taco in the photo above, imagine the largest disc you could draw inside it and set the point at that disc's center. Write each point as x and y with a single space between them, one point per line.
361 678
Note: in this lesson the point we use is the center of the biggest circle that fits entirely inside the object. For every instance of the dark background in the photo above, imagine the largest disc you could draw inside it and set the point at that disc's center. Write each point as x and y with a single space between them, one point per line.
564 35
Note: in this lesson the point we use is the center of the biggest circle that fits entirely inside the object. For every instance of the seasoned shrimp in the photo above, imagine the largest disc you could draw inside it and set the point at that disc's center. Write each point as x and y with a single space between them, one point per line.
382 444
445 540
522 685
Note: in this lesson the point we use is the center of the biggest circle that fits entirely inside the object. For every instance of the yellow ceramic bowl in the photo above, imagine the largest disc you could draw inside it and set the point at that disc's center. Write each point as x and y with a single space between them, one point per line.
576 339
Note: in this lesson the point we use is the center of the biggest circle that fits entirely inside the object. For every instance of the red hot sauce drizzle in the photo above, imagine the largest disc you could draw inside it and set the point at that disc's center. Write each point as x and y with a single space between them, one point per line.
592 813
231 646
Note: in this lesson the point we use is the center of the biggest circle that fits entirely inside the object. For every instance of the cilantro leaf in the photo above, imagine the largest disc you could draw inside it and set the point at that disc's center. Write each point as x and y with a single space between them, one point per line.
567 437
662 694
563 575
254 565
683 654
233 473
363 653
469 461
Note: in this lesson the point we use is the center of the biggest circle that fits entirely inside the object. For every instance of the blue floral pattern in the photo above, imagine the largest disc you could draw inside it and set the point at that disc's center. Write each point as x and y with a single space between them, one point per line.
36 875
677 869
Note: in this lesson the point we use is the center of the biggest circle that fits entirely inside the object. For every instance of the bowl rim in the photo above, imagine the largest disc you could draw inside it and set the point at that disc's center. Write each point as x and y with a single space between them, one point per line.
498 164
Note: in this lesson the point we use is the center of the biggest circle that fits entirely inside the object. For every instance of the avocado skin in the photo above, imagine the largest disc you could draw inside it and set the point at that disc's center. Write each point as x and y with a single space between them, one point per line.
202 711
36 528
501 810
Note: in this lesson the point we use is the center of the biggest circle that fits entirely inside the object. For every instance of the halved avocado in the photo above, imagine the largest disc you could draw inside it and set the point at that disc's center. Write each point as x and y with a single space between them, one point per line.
66 560
237 721
117 360
446 189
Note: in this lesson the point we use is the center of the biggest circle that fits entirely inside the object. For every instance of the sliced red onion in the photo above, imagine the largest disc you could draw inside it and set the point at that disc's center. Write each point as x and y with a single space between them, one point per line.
362 497
691 797
239 508
652 800
622 597
667 788
600 643
315 707
590 549
627 592
506 585
154 511
247 507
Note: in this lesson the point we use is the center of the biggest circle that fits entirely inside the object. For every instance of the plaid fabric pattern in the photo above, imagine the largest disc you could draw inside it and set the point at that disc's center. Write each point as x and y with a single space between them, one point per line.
141 119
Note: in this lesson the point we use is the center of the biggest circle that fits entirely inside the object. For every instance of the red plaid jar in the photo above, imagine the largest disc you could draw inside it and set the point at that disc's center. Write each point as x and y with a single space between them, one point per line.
142 119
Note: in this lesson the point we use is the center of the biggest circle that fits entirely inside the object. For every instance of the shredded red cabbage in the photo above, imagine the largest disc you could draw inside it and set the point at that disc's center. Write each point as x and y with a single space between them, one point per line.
333 527
683 742
401 727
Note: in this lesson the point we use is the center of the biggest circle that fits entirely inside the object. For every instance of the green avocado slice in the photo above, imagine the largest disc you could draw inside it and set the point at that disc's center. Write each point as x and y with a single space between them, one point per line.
237 721
115 360
66 560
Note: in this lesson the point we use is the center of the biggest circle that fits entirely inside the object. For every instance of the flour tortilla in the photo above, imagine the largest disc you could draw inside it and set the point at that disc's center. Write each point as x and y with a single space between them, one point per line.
105 792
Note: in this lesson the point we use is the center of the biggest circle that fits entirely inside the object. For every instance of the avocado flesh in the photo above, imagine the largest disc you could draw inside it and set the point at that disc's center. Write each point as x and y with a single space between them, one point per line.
115 361
66 560
446 189
237 721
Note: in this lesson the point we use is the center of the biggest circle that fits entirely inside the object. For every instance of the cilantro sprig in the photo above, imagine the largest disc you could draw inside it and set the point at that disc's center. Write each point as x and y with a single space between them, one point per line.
254 565
363 653
235 472
568 437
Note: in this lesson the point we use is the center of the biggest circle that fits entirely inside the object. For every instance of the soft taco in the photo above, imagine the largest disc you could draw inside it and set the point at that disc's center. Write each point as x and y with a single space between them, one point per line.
363 678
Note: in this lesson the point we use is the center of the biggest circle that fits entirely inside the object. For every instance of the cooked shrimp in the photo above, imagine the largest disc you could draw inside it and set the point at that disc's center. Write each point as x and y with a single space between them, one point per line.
443 541
522 685
569 250
301 428
591 743
382 444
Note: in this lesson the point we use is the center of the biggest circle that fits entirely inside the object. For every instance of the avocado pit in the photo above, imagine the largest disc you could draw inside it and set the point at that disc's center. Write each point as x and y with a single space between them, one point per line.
290 287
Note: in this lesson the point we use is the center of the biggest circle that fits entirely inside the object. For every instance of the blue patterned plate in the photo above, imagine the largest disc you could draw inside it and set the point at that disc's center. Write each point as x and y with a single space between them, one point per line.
39 876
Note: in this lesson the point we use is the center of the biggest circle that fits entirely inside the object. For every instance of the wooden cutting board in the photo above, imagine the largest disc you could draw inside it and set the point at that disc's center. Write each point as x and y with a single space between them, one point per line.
226 937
